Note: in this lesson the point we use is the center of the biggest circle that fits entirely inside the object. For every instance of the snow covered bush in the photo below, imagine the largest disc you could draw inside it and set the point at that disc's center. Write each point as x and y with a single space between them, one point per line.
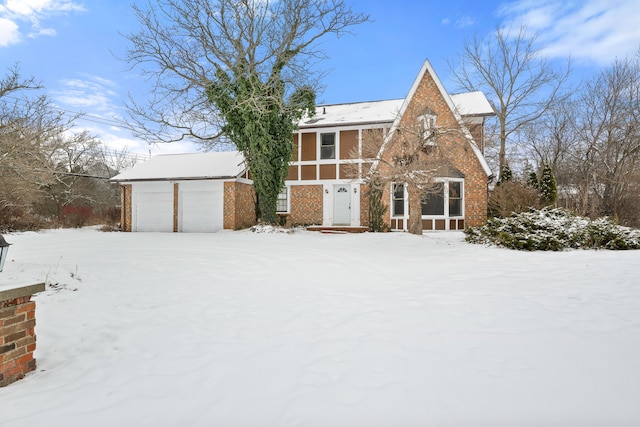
553 229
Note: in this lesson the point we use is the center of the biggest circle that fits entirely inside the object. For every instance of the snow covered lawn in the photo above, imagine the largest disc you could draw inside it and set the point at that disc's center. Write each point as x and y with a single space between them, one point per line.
309 329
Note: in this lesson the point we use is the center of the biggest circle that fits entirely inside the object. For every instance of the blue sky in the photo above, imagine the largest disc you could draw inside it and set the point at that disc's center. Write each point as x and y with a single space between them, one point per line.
73 46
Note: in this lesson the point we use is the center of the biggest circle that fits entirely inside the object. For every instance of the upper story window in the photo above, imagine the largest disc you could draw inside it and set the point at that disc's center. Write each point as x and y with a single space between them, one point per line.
327 146
428 121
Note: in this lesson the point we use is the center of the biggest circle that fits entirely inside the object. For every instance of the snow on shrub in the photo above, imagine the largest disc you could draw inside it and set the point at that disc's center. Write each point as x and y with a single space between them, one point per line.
553 230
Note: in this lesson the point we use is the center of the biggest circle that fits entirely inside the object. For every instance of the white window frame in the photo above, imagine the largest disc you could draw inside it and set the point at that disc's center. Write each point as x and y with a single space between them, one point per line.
446 214
335 145
286 190
405 199
428 124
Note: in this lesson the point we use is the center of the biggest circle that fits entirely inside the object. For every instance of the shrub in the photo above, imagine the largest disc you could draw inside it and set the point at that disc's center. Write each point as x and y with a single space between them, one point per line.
513 197
553 229
18 219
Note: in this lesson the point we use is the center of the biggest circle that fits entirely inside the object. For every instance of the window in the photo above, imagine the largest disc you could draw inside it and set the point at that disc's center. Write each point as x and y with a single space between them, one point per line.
282 203
398 199
327 146
455 198
433 201
428 120
443 199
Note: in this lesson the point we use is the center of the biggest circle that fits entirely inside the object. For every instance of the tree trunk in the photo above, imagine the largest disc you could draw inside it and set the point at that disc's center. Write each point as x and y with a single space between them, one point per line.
415 210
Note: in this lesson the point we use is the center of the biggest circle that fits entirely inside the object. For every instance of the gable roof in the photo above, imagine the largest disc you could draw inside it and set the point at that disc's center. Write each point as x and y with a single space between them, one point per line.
222 164
464 101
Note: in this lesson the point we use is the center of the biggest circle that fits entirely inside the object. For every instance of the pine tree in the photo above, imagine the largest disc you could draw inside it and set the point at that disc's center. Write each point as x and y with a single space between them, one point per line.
532 180
505 174
548 188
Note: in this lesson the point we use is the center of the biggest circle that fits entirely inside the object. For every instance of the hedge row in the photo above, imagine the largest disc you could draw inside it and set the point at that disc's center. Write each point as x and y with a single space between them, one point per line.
553 230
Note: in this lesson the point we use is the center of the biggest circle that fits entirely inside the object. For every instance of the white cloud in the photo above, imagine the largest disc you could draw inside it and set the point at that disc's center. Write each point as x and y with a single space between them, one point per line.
465 21
460 22
590 31
97 98
9 32
92 92
30 13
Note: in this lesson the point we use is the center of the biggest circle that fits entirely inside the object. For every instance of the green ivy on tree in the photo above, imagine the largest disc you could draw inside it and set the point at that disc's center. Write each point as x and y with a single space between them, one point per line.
261 124
234 70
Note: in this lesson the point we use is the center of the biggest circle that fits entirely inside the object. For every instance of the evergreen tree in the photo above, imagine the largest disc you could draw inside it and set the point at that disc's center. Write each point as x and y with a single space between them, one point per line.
532 180
548 188
377 208
506 174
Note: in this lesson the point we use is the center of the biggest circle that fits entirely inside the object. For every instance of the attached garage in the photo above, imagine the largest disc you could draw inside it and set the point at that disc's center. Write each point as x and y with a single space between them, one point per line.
200 206
201 193
152 206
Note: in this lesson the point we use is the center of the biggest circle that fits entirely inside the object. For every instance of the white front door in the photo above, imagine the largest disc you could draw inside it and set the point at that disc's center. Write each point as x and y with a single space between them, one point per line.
341 205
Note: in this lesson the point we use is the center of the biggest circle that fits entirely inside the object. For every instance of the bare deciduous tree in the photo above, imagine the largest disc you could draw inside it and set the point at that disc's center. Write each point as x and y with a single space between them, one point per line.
520 83
239 70
609 130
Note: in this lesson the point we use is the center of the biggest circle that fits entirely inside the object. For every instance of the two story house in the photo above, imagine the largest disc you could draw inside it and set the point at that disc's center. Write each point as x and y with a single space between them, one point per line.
327 183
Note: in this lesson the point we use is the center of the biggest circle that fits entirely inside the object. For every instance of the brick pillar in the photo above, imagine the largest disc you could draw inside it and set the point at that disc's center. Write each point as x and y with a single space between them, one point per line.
17 332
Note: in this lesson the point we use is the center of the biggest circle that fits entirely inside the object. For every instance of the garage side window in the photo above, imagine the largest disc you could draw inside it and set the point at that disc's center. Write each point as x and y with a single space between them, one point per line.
282 204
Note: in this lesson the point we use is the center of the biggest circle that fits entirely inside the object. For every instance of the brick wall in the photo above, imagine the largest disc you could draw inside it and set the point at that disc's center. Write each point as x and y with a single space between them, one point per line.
17 338
125 209
455 147
239 206
306 205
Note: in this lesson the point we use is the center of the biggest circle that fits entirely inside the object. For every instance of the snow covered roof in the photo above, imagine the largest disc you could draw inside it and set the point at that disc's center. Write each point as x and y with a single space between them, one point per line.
472 104
353 113
224 164
468 104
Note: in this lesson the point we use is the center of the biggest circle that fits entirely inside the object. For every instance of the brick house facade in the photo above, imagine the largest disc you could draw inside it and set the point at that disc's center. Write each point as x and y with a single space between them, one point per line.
330 166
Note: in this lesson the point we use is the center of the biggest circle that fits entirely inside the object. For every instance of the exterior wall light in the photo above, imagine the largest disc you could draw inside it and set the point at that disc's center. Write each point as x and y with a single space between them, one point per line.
4 248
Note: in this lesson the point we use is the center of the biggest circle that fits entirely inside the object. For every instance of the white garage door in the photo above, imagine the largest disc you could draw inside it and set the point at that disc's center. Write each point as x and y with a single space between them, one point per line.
152 206
200 206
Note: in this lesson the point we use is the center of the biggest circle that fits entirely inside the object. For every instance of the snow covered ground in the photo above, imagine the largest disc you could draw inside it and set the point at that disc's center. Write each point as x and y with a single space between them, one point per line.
310 329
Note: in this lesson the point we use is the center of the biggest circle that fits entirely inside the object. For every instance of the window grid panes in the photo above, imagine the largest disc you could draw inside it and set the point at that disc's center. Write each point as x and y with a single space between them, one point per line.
281 203
328 146
455 198
398 199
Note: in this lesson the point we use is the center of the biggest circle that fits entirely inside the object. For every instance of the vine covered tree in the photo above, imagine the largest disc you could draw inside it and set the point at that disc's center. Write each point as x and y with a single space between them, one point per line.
234 70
